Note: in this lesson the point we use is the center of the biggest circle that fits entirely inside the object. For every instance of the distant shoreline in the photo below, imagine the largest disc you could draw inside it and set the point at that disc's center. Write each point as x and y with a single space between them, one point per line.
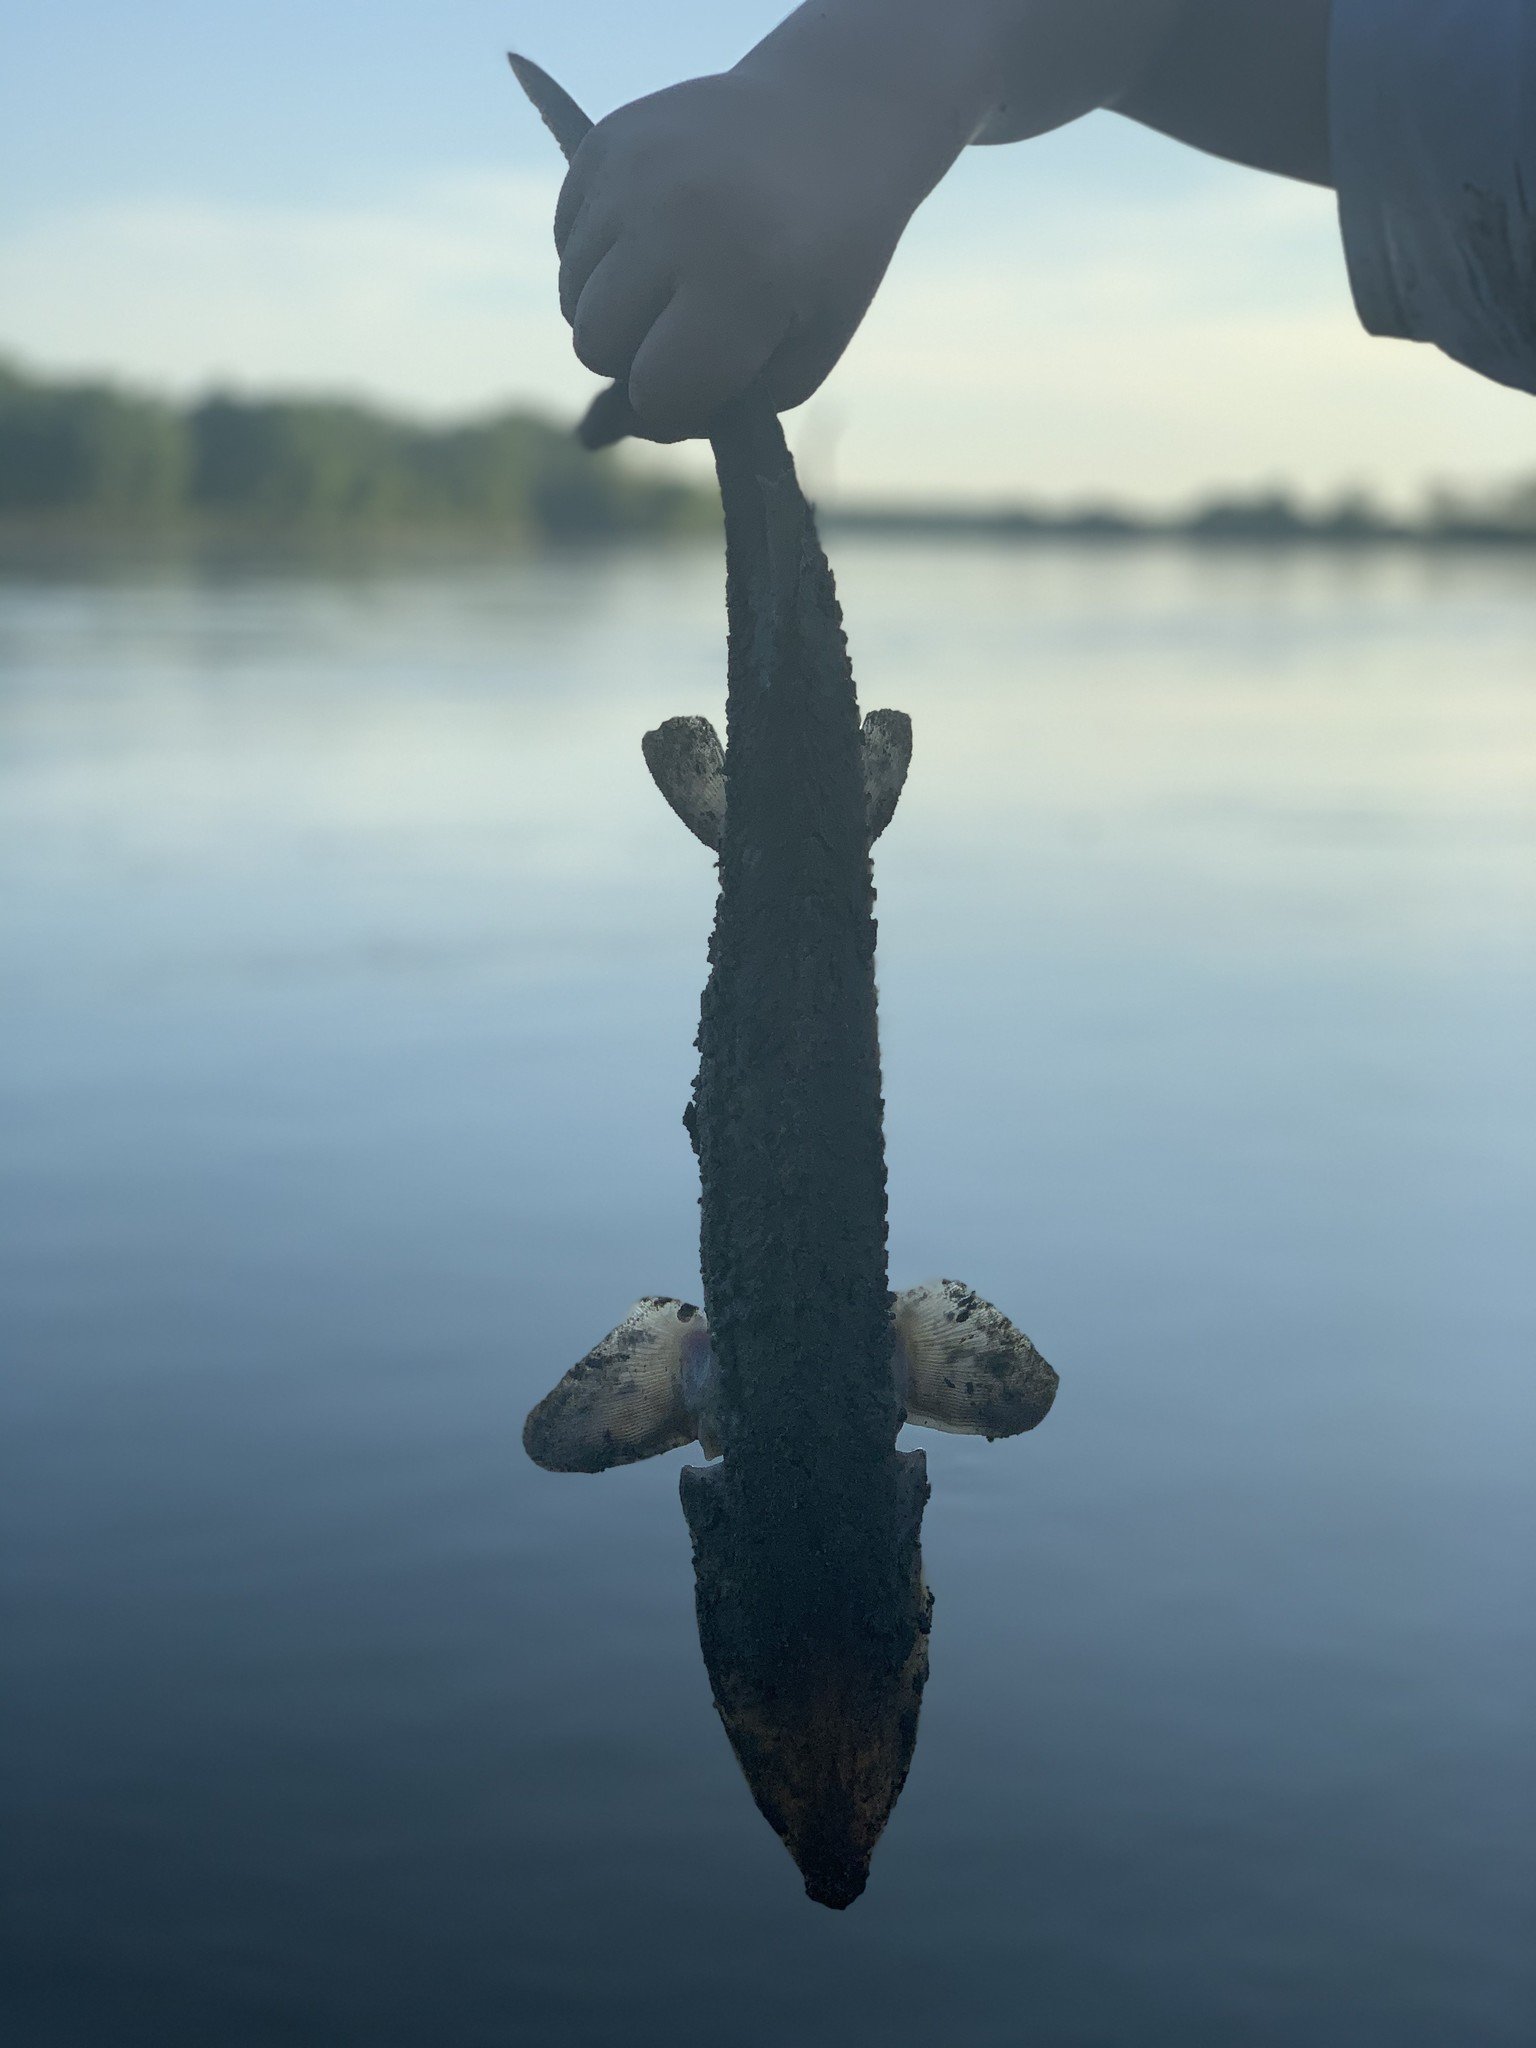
51 547
1238 524
100 468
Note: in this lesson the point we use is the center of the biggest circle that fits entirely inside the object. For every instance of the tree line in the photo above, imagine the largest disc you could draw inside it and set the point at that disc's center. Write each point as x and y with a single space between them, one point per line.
94 456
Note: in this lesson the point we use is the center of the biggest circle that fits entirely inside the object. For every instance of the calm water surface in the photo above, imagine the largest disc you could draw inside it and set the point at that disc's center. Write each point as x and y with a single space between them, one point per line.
351 967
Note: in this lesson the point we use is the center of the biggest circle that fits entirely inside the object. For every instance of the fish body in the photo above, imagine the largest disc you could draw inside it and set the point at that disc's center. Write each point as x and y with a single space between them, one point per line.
813 1614
812 1610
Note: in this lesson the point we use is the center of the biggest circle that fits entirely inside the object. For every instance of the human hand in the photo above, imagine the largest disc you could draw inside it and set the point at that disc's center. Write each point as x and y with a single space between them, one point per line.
735 227
732 228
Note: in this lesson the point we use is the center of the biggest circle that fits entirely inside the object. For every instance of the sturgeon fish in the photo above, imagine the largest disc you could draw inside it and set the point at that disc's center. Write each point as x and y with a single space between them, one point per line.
797 1371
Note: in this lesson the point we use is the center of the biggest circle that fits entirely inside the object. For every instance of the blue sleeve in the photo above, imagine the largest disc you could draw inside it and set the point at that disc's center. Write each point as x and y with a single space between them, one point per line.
1433 111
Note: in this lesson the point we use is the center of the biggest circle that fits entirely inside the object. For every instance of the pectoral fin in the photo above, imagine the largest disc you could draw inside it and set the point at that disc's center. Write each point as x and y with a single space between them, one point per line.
636 1394
962 1366
887 737
652 1384
687 764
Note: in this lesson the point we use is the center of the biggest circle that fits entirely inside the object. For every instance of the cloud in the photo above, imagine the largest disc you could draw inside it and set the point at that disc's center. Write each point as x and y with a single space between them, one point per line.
1042 333
1148 345
439 299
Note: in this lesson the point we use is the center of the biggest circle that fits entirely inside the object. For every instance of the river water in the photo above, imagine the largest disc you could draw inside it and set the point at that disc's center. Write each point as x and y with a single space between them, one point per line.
351 967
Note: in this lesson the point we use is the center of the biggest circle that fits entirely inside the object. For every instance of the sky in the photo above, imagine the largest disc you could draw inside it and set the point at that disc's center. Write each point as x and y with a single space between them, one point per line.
323 195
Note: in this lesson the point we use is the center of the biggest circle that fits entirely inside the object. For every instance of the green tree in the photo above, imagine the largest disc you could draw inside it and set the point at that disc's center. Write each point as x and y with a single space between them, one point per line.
89 453
297 465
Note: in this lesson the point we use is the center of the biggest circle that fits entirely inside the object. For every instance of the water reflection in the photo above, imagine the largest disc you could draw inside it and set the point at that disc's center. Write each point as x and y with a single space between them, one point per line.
342 1062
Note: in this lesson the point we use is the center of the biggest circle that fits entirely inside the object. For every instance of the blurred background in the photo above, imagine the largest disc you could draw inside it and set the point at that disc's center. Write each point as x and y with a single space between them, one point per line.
290 197
350 968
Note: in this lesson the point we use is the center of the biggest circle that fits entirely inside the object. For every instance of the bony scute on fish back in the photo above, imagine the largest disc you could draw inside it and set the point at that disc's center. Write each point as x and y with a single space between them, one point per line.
653 1383
627 1399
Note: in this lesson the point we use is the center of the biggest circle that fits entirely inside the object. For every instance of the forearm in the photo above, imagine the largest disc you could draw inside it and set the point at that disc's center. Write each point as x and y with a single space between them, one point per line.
735 227
1243 79
951 72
